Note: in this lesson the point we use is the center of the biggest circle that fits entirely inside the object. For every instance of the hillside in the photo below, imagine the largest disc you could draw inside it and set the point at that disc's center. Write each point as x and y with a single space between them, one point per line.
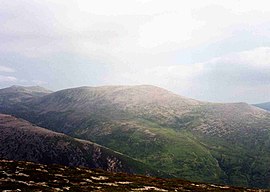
21 140
27 176
194 140
14 94
265 106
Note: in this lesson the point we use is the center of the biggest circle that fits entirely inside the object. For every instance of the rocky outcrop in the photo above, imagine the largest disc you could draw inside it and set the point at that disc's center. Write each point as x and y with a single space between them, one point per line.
26 176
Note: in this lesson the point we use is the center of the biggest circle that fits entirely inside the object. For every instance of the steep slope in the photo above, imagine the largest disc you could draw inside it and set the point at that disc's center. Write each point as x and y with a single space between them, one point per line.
265 106
200 141
21 140
26 176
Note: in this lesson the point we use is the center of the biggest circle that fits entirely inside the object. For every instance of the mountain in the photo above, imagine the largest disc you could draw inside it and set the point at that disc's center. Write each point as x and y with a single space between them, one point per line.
12 95
199 141
265 106
21 140
27 176
24 92
110 103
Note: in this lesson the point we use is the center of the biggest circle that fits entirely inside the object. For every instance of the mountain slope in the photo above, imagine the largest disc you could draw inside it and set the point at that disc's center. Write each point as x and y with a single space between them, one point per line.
26 176
12 95
200 141
21 140
265 106
114 102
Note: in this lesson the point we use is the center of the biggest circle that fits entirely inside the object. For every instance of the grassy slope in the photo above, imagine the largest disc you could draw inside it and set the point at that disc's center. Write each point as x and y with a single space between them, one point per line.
241 160
178 153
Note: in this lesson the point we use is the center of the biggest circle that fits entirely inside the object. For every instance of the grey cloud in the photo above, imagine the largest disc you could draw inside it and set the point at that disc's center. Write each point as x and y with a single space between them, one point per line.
242 76
144 43
7 78
6 69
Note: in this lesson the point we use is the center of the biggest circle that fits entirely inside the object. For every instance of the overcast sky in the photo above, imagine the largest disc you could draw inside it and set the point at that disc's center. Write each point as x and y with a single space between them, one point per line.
211 50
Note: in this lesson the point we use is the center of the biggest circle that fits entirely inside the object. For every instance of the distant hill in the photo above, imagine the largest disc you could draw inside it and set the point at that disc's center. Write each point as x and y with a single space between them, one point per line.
27 176
21 140
31 90
199 141
265 106
14 94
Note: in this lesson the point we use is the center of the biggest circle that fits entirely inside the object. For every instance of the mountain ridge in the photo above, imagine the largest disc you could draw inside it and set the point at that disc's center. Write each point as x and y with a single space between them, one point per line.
199 141
19 88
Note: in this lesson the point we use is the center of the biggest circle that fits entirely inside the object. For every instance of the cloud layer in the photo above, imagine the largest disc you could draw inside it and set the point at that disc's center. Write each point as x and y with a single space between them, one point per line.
234 77
6 69
211 50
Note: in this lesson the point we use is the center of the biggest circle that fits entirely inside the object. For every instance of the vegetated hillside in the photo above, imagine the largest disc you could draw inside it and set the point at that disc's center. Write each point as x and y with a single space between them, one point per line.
21 140
265 106
199 141
26 176
12 95
109 103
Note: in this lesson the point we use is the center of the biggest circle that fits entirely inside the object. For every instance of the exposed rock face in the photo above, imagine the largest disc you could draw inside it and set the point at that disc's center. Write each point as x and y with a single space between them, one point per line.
114 165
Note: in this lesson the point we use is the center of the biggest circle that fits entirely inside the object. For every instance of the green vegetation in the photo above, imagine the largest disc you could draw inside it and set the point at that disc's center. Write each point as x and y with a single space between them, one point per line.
177 153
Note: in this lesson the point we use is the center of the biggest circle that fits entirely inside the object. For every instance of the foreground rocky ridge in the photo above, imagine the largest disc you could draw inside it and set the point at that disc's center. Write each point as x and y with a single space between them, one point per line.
27 176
